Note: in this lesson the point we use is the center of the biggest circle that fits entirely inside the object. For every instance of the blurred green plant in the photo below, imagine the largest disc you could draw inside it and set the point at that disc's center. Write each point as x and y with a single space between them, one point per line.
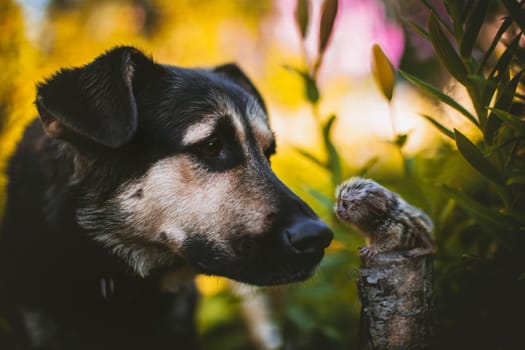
480 261
492 84
478 295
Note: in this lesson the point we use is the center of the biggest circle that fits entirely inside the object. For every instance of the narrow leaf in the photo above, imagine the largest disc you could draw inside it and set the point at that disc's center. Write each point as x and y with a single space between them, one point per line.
302 16
516 180
516 11
438 16
418 29
445 51
475 158
383 72
479 212
503 103
311 91
310 157
326 202
510 119
502 29
447 132
473 26
456 12
499 71
440 95
328 14
401 140
334 160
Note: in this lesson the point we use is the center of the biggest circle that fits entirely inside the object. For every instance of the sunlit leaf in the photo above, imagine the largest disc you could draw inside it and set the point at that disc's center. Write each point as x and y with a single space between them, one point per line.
383 72
311 91
516 180
445 51
510 119
323 200
446 131
328 15
401 140
472 27
475 158
440 95
334 160
516 11
366 167
310 157
504 102
499 71
502 29
501 227
302 16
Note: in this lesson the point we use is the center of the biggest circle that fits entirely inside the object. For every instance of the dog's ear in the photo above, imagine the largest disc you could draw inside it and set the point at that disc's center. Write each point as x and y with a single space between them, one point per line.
234 73
96 101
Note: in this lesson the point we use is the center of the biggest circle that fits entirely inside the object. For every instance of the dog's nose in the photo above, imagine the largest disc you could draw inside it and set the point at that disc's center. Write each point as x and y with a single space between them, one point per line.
308 236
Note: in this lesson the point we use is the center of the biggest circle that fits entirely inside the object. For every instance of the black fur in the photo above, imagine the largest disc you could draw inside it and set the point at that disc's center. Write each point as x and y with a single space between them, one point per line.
107 123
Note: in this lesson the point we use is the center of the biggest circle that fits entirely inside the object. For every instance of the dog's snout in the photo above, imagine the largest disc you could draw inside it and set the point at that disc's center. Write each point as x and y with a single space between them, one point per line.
308 236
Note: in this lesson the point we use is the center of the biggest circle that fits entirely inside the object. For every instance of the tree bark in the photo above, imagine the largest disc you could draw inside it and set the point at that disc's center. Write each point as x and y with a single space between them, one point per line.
396 299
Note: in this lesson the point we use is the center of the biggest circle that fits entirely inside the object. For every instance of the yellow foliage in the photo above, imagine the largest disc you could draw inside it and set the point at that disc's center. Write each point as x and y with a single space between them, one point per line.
17 59
383 72
209 285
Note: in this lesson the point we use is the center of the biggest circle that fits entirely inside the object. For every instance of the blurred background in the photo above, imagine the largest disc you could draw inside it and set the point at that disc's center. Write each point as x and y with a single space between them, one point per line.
333 120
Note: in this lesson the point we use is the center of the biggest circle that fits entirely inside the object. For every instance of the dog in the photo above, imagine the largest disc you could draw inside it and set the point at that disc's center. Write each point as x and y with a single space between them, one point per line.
138 176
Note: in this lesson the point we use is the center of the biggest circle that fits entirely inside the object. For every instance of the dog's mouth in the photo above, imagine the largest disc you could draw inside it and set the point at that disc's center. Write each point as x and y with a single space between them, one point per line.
286 256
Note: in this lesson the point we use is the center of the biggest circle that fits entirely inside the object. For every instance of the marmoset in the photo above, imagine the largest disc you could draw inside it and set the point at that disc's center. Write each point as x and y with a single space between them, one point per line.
386 220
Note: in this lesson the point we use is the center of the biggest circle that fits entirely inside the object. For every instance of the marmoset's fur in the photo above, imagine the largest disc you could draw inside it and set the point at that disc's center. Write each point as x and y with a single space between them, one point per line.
387 221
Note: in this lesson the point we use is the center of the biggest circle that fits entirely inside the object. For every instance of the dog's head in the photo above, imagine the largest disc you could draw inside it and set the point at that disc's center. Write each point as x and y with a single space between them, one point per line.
173 165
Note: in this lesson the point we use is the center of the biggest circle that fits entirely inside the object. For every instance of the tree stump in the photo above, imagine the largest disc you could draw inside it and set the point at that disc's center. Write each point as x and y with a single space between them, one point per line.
396 299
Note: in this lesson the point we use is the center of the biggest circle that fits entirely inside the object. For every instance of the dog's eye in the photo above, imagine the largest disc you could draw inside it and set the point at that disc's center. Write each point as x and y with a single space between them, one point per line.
209 149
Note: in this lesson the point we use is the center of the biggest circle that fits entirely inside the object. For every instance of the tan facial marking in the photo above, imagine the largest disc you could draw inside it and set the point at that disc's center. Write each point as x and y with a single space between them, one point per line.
259 124
199 131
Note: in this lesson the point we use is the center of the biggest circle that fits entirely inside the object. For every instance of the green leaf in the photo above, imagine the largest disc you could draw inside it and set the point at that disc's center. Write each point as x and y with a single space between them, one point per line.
502 29
475 158
440 95
510 119
473 26
438 16
311 90
499 71
324 201
516 11
366 167
334 160
446 52
504 102
456 12
302 16
401 140
328 15
494 220
417 29
310 157
516 180
446 131
383 72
